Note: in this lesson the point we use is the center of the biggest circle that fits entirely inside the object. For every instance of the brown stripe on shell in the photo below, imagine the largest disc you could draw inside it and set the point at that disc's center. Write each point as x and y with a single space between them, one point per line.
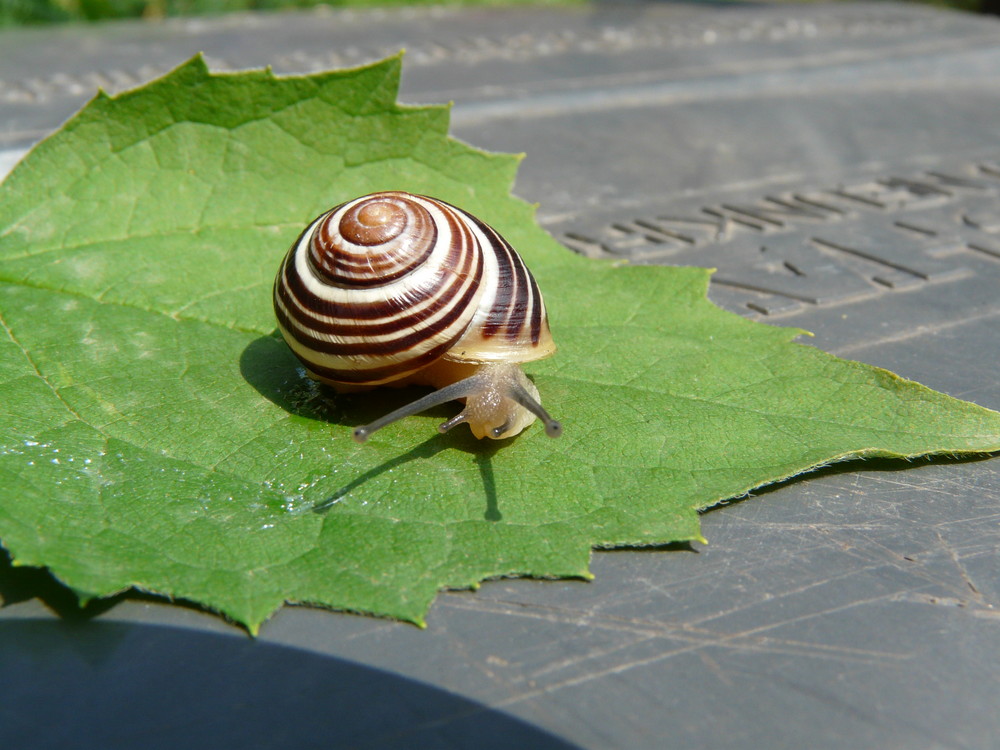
373 222
415 230
323 225
369 261
537 310
374 375
514 292
362 326
375 348
294 293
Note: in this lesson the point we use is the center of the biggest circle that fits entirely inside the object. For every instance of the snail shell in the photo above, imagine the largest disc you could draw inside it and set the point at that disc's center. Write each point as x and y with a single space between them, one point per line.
394 288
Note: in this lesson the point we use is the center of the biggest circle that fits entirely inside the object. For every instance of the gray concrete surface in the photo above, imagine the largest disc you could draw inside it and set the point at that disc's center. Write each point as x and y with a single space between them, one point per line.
840 166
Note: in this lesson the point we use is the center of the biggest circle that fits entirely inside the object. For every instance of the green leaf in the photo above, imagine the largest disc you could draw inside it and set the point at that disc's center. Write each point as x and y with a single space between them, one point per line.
155 433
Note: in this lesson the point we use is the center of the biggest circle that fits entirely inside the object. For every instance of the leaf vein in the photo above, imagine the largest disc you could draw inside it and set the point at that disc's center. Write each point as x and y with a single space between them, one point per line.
38 373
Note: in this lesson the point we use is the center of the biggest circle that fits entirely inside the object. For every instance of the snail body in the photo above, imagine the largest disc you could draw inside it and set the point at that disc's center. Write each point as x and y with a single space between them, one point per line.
396 289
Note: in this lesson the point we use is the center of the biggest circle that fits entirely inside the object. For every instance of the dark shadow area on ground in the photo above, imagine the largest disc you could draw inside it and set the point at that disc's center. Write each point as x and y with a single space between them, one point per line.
102 685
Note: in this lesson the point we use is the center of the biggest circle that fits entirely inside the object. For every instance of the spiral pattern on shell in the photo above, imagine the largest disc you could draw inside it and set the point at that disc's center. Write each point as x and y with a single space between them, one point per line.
382 286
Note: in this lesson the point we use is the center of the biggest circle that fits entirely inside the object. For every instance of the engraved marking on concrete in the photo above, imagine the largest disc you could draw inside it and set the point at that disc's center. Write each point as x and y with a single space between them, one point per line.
779 253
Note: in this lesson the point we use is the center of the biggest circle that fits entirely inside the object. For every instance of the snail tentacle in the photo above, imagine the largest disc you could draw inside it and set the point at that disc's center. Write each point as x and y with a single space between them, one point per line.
553 427
461 389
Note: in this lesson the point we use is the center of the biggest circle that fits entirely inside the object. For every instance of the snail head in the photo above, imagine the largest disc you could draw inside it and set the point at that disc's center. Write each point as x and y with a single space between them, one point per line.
500 402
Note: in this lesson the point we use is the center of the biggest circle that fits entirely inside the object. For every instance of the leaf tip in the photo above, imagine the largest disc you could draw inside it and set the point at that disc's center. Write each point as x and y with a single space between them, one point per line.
393 62
196 62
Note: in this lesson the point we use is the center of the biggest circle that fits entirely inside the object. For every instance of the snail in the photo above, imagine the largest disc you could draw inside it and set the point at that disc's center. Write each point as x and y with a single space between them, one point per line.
396 289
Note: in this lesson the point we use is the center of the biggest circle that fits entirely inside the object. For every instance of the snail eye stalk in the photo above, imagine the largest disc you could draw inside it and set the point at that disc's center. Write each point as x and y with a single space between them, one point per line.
461 389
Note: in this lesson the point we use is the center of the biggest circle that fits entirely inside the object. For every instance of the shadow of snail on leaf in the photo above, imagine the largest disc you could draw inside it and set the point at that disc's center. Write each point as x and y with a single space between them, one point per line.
269 366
